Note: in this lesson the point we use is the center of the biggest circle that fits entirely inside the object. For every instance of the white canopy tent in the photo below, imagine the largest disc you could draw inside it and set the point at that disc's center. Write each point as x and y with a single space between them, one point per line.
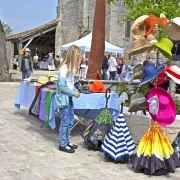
85 45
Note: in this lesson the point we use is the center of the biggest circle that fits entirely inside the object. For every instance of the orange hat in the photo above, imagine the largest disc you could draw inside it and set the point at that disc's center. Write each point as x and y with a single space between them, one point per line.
97 86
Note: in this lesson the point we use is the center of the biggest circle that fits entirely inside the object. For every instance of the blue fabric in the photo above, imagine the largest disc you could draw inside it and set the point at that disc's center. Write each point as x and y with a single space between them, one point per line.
62 93
25 95
88 106
26 74
67 121
104 74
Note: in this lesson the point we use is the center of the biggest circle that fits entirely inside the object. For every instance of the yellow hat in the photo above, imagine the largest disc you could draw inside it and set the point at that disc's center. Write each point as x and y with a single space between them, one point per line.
42 80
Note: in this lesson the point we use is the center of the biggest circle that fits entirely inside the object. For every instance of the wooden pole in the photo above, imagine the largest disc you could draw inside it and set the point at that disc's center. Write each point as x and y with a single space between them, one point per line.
98 40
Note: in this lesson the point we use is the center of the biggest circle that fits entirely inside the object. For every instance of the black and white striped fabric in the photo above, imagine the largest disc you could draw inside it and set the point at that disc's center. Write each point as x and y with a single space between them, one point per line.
119 143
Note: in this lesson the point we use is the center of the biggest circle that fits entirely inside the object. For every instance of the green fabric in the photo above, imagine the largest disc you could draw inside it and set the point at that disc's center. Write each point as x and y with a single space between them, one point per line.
104 117
47 106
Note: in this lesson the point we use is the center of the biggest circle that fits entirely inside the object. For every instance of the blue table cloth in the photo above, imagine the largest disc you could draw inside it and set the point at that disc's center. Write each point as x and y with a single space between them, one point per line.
25 95
86 106
89 106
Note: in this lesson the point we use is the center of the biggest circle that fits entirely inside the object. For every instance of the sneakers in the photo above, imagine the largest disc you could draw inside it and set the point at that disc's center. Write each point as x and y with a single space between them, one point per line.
73 146
67 149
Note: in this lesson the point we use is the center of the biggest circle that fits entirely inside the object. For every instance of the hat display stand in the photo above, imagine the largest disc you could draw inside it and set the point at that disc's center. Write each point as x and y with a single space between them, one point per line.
119 145
154 155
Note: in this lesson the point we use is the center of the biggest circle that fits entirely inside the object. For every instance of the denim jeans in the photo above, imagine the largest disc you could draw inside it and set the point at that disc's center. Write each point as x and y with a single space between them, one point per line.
104 74
112 75
26 74
67 121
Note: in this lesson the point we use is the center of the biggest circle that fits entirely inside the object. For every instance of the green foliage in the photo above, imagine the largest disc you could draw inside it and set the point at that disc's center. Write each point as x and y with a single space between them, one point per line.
178 106
137 8
7 29
144 89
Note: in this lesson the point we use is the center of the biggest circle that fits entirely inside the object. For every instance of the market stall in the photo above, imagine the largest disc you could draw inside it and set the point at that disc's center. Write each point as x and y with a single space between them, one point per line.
85 106
85 45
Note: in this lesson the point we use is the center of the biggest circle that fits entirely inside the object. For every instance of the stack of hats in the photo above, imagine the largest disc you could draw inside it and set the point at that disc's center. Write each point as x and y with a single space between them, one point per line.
145 31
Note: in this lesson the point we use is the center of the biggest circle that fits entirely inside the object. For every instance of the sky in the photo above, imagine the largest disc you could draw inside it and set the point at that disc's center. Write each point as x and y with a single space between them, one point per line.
24 15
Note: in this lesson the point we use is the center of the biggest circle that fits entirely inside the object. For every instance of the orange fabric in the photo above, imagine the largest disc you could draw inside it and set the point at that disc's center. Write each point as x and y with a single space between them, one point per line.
97 86
151 21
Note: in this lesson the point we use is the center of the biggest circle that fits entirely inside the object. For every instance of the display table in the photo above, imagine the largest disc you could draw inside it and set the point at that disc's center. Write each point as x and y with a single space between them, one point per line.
43 64
86 106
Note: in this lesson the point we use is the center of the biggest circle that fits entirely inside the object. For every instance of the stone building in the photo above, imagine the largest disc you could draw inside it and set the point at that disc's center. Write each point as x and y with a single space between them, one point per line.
74 20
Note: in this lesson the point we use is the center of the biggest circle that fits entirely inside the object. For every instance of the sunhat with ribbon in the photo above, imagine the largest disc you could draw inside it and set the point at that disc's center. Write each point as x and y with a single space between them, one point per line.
150 71
141 46
165 46
138 29
166 109
173 29
138 102
161 78
137 71
174 73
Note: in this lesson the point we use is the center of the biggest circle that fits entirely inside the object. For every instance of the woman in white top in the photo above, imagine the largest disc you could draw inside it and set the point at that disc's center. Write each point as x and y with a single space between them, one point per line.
112 67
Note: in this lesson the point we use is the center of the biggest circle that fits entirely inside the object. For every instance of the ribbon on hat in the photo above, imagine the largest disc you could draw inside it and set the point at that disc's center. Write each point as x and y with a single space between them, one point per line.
153 105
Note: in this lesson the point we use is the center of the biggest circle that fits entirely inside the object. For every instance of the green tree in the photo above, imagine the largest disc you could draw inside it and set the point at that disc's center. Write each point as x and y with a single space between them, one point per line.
7 29
137 8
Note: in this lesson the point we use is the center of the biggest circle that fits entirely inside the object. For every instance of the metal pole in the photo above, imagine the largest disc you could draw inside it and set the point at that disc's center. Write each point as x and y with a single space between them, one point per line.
88 22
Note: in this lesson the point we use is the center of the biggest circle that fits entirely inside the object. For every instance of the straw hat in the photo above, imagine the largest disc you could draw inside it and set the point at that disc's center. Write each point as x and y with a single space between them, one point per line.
165 46
173 29
166 113
137 71
138 102
174 73
42 80
27 50
141 46
138 29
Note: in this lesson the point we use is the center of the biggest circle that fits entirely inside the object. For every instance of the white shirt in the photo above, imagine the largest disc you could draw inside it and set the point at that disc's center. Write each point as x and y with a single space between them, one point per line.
112 64
69 76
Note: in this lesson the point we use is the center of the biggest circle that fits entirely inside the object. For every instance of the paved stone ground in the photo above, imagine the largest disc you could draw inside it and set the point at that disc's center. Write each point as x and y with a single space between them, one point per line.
29 152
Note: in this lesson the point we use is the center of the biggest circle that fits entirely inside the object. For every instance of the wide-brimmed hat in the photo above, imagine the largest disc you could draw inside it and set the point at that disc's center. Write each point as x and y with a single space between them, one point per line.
150 71
166 113
97 87
42 80
141 46
137 71
138 29
174 73
138 102
161 78
27 50
173 29
165 46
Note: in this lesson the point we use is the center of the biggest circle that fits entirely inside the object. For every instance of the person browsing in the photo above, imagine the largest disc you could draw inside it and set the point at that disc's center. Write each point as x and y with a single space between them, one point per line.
63 98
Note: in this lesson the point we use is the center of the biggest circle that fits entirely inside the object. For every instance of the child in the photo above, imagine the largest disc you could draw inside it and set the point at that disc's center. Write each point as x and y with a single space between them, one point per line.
63 98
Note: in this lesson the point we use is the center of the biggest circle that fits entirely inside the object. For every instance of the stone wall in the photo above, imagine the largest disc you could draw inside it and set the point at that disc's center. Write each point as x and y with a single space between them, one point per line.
74 20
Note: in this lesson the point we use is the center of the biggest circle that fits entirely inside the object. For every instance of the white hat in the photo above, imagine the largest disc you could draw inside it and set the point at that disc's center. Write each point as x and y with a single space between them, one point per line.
27 50
174 73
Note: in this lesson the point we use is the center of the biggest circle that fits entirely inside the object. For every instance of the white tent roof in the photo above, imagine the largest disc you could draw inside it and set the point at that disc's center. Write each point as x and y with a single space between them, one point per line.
85 45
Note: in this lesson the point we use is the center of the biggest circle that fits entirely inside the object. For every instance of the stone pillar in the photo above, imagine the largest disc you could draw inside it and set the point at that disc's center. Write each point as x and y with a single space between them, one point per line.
20 46
10 53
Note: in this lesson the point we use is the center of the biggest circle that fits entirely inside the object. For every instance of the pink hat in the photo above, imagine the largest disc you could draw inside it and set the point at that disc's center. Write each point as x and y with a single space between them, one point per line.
166 114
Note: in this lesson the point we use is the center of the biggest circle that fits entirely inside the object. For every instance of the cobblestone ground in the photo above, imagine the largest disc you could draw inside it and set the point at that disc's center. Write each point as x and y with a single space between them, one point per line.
29 152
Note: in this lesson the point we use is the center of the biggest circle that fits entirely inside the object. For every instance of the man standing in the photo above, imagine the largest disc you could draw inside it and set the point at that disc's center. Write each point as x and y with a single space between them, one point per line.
105 66
26 65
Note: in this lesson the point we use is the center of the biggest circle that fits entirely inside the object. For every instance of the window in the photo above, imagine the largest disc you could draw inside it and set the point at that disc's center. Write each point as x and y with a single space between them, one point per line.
127 29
